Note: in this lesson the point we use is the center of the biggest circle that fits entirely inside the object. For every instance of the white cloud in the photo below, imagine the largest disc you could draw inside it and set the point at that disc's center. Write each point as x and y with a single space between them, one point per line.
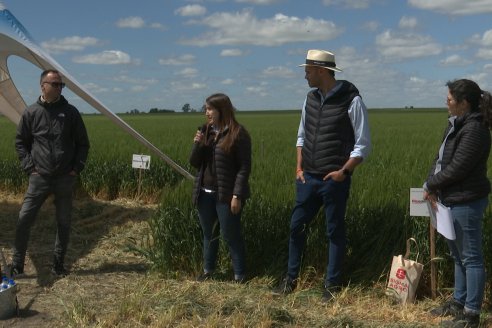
370 26
196 86
129 79
158 26
454 7
227 81
186 86
406 45
417 80
138 88
231 52
191 10
487 38
95 88
258 2
394 88
454 60
484 53
353 4
188 72
278 72
484 40
72 43
244 28
108 57
131 22
260 91
185 59
485 43
408 22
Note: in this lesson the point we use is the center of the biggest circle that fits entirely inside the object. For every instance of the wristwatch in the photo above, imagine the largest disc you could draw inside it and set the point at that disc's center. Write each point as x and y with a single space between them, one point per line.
347 172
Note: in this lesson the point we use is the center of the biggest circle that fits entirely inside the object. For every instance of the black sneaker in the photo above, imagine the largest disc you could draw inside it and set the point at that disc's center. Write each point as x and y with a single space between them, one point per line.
59 270
286 286
16 271
330 293
240 280
204 277
450 307
463 320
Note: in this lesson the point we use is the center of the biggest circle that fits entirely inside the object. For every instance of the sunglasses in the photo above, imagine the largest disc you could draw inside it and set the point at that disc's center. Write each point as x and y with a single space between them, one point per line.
56 84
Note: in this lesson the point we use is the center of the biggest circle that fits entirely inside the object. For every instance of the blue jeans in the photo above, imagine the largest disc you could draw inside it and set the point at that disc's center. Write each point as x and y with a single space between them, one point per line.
310 196
40 187
469 271
215 216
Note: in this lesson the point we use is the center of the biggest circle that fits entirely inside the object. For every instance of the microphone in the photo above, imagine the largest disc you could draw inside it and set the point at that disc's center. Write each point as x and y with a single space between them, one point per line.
202 129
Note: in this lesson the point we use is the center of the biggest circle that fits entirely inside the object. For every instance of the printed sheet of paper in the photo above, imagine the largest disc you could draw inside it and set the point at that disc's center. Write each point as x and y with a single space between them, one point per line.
442 220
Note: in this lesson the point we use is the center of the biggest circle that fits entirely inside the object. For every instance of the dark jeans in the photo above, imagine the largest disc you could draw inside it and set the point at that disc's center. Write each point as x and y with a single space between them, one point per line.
40 187
310 196
215 216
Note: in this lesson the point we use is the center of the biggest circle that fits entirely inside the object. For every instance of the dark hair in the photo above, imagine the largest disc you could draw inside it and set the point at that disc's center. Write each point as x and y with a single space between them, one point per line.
479 100
46 72
223 105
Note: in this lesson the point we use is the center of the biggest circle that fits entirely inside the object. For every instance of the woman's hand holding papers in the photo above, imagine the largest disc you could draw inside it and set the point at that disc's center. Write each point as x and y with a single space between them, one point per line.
432 198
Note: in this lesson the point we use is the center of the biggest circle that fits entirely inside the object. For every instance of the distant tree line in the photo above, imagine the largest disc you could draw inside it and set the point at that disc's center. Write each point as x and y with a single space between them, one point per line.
186 109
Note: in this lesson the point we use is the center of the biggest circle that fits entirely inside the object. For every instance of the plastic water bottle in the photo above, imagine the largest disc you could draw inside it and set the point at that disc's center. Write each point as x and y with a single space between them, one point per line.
12 283
5 284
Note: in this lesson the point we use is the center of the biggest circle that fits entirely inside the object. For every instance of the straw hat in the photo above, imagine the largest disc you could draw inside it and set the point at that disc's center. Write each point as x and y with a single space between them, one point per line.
321 58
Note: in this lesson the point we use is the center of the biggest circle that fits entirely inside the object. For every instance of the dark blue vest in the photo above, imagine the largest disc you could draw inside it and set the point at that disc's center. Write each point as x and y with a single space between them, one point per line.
329 135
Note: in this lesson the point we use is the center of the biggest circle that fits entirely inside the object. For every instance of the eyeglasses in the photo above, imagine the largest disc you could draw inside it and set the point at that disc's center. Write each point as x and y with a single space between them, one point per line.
56 84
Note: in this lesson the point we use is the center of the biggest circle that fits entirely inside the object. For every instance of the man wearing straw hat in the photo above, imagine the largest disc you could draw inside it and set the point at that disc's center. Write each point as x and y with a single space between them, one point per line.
333 138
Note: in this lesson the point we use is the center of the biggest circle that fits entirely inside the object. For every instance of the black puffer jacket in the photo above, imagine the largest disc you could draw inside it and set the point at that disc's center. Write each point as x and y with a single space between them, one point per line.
463 175
329 135
51 139
232 169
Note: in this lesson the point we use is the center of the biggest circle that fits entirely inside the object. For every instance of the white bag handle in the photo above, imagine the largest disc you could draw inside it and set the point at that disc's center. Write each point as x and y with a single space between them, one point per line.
407 254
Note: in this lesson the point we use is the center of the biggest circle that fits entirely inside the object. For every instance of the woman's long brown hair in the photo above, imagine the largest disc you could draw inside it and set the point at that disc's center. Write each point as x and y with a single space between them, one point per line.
223 105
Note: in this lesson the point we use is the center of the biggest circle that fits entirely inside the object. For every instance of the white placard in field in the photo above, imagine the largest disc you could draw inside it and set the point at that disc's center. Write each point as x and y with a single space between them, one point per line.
141 162
418 206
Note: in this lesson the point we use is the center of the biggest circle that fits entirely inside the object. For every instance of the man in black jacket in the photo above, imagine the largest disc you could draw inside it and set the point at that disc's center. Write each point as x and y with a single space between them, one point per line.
52 145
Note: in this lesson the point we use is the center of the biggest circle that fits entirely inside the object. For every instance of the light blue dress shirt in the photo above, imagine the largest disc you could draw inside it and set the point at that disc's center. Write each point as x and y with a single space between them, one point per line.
358 117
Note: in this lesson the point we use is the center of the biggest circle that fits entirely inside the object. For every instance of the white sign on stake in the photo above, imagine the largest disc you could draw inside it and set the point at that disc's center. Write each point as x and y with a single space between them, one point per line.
141 162
418 205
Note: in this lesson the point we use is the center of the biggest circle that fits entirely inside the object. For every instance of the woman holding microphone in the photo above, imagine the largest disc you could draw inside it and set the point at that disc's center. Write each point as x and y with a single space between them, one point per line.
222 154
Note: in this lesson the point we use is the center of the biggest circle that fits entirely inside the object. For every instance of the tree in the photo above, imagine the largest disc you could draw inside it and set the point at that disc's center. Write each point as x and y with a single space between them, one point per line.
186 108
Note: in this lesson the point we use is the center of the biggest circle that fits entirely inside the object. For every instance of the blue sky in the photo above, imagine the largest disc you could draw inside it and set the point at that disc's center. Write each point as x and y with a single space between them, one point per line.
162 54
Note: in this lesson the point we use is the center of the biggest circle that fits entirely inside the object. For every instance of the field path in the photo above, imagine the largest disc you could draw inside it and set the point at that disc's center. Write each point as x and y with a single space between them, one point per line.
100 266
